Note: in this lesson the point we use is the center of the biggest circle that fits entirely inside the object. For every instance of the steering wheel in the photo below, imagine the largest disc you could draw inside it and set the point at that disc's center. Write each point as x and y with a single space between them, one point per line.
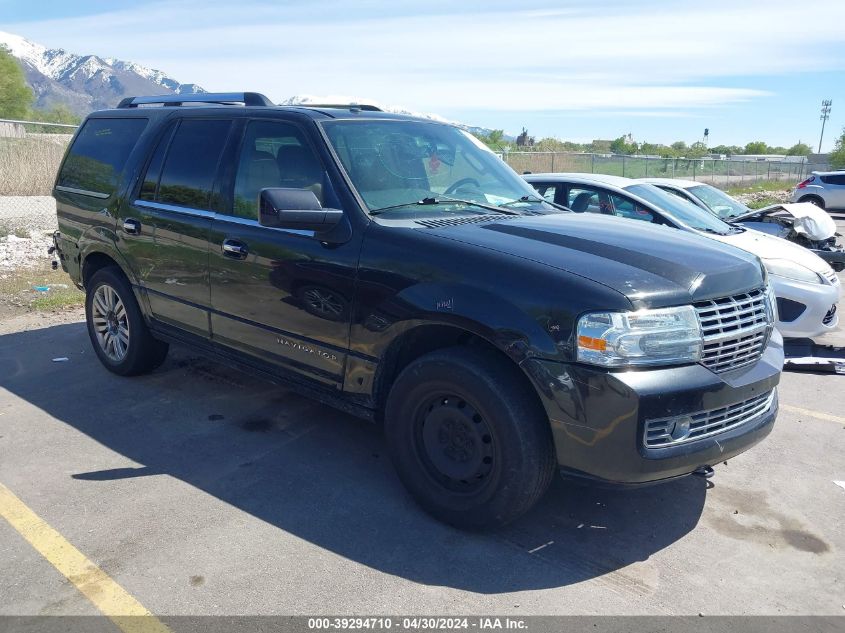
460 183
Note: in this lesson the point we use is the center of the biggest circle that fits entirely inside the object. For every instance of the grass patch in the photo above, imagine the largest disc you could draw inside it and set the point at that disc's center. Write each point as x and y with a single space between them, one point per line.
18 294
763 185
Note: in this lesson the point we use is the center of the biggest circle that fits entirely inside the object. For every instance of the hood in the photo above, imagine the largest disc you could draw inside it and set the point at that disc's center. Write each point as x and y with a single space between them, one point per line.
808 219
768 246
651 265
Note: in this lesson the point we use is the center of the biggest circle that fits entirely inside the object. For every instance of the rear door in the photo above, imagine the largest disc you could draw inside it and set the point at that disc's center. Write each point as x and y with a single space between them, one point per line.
281 295
166 224
834 187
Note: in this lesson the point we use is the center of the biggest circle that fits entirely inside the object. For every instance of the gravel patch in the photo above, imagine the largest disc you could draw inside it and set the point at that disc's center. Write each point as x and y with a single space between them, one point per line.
26 223
764 196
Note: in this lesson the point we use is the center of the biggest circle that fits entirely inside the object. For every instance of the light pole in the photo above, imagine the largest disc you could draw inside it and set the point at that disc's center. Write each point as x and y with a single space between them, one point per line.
824 117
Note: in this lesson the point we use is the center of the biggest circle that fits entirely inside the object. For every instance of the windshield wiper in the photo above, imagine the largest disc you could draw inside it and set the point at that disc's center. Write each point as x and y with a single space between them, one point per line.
442 200
523 199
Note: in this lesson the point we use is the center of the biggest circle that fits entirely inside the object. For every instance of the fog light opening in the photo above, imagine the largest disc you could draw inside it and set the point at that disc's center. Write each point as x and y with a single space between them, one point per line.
680 428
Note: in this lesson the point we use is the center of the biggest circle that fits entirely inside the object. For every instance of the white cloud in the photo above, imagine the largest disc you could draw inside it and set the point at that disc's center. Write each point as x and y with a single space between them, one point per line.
444 56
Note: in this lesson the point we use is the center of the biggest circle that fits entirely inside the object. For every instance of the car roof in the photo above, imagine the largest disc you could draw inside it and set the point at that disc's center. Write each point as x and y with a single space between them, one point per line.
677 182
604 179
838 172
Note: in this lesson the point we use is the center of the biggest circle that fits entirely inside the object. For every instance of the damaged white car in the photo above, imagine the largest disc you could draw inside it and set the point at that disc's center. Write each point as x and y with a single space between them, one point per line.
807 289
799 222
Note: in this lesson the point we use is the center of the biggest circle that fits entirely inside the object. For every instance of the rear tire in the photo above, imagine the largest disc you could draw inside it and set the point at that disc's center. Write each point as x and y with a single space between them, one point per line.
813 200
468 438
116 327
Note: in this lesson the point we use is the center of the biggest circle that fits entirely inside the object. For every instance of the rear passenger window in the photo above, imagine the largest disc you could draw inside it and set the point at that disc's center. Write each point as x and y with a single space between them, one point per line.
834 179
99 153
190 164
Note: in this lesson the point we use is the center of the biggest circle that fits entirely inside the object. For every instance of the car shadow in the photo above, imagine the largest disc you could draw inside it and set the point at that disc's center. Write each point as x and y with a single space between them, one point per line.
323 476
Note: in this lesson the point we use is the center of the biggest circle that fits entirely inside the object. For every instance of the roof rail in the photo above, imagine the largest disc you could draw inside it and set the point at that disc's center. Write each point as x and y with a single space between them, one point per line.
340 106
221 98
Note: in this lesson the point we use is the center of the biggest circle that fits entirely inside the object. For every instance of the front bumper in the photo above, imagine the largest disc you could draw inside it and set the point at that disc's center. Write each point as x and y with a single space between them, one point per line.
598 417
816 299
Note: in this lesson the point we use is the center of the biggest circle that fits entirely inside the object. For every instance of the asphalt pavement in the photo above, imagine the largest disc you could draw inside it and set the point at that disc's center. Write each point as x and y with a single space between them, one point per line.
202 490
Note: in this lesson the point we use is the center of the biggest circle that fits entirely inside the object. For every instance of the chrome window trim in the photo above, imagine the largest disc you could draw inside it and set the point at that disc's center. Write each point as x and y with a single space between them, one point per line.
218 216
83 192
249 222
200 213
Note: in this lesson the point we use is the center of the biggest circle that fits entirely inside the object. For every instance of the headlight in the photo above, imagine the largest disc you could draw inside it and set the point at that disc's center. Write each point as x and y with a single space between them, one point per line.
665 336
792 270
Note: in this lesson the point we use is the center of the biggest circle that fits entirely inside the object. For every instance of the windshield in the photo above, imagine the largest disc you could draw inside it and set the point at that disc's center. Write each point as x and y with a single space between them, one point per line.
407 168
718 201
682 211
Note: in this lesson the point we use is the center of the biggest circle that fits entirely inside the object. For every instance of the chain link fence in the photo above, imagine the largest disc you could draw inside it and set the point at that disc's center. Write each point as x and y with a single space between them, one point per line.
30 153
716 171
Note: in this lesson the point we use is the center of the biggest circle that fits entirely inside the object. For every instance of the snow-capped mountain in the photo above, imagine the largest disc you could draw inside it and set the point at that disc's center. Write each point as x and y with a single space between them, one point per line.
312 99
86 82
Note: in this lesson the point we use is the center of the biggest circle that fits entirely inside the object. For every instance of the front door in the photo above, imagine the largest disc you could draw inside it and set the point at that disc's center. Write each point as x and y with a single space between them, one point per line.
279 295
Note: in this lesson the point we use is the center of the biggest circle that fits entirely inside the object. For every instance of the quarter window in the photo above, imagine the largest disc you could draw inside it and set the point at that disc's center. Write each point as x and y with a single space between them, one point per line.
99 153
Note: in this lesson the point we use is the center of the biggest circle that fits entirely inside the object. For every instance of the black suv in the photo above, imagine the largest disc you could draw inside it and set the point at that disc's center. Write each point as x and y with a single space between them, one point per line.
396 268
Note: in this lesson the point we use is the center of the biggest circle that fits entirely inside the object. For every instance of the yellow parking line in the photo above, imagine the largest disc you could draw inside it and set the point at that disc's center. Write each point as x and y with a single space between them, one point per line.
813 414
109 597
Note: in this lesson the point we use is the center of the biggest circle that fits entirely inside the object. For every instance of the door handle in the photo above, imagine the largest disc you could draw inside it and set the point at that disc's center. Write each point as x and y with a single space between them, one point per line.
131 226
235 249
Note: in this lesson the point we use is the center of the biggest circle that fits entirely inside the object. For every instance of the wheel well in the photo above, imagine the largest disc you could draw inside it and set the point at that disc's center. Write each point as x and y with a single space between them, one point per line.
423 340
810 196
95 262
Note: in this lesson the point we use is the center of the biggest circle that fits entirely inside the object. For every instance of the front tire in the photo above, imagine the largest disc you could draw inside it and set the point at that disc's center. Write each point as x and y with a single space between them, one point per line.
116 327
468 438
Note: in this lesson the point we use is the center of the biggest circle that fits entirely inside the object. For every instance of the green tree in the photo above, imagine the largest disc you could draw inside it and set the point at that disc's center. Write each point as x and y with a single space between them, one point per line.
697 150
679 148
799 149
15 96
622 146
756 147
837 156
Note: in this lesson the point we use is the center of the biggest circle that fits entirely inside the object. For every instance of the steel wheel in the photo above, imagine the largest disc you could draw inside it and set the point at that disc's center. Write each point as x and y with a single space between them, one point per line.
111 324
455 444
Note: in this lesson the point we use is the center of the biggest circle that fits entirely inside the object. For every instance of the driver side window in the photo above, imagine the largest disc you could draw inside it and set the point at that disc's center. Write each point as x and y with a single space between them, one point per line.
274 154
627 208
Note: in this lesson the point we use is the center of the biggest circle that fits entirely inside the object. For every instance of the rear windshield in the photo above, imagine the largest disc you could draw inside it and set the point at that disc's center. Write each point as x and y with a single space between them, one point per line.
679 210
98 154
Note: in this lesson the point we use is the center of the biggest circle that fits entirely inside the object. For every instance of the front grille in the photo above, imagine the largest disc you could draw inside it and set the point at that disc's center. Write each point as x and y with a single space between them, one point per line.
828 318
736 329
659 433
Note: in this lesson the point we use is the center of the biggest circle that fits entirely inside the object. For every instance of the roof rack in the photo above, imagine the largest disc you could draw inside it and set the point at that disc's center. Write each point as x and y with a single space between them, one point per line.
221 98
340 106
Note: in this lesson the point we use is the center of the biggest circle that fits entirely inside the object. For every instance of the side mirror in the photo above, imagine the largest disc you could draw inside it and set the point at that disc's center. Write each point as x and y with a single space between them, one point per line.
295 209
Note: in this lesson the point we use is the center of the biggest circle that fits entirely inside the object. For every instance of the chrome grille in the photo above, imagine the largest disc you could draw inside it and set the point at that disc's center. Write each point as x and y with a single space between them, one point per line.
662 433
736 329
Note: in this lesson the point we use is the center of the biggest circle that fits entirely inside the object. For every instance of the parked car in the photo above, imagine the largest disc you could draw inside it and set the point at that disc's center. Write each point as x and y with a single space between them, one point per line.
825 189
800 222
397 269
807 288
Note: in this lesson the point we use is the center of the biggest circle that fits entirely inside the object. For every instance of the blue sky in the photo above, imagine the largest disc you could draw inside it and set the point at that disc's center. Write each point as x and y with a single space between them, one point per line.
661 70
